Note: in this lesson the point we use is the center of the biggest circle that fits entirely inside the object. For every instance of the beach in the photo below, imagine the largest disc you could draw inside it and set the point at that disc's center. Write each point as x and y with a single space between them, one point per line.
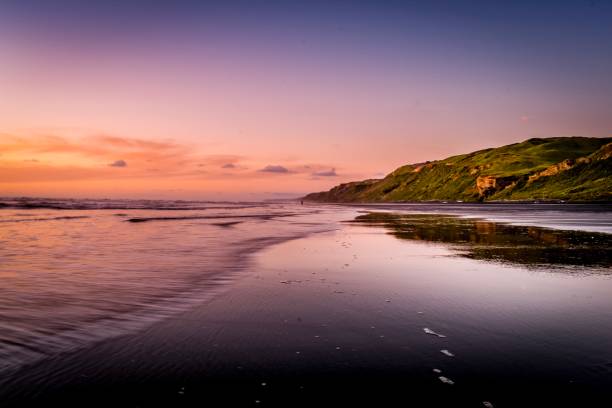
305 204
282 304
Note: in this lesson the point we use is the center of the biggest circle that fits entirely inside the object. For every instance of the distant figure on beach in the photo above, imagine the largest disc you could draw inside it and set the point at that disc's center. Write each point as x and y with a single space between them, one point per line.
302 202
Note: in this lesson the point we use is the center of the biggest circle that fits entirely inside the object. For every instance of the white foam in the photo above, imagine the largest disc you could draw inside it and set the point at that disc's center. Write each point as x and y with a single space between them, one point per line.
433 333
446 380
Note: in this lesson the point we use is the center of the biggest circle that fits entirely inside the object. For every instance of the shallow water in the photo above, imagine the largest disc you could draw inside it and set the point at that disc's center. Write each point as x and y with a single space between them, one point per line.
583 217
70 277
320 303
476 238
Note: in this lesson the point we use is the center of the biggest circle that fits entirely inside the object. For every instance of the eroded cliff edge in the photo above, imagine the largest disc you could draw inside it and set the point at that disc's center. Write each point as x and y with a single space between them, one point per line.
558 168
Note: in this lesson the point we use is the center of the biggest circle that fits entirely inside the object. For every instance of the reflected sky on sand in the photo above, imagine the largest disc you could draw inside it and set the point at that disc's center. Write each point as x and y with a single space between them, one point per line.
325 305
499 242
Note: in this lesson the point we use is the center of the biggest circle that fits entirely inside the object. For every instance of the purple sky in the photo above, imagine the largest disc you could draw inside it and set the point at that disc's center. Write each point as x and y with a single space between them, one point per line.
330 91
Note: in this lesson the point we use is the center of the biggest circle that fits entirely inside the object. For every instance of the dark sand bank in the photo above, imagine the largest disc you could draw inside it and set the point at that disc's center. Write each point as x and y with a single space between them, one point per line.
339 318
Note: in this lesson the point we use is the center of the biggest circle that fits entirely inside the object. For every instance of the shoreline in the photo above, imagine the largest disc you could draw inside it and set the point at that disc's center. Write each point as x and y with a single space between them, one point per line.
540 215
340 316
213 283
534 201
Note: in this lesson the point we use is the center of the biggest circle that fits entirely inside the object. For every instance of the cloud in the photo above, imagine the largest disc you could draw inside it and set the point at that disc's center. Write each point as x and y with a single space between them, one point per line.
107 157
118 163
224 161
135 144
274 169
48 144
325 173
95 146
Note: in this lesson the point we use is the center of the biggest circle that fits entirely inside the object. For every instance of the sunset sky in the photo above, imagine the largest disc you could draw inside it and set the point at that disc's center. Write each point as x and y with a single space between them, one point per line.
270 99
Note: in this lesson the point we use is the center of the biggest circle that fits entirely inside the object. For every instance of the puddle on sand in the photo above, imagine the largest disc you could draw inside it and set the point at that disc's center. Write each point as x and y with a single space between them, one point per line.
499 242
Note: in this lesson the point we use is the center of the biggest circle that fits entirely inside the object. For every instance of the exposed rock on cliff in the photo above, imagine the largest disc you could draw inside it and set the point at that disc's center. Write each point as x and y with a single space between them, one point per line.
489 185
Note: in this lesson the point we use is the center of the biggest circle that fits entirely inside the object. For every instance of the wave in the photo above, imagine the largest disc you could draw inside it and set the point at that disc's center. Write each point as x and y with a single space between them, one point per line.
30 343
227 224
67 217
210 217
105 204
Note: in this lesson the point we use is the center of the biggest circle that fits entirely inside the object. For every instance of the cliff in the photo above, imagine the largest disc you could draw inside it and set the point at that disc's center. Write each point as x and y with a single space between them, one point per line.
559 168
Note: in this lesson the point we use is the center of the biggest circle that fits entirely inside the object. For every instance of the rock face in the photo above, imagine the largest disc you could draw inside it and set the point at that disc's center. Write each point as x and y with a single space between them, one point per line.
604 153
489 185
558 168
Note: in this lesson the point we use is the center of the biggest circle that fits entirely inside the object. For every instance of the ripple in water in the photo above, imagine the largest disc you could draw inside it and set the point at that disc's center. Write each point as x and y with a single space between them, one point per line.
71 277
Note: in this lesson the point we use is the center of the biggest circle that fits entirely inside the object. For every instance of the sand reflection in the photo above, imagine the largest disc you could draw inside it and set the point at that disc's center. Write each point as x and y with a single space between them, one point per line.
493 241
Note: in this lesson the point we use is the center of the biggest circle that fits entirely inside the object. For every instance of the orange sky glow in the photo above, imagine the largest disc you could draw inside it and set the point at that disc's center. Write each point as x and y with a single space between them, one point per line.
166 106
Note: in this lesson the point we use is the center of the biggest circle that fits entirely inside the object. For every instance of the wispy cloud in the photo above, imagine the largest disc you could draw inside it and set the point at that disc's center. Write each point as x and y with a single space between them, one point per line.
134 144
224 161
325 173
93 147
99 163
118 163
274 169
49 144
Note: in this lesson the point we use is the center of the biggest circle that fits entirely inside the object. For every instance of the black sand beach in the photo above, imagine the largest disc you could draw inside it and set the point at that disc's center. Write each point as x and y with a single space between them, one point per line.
363 314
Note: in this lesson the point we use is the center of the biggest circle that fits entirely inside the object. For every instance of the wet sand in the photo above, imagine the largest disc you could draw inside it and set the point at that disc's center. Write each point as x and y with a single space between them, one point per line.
368 313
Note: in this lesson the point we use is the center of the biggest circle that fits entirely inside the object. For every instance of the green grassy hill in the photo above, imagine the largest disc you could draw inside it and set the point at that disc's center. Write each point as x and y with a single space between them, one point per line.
558 168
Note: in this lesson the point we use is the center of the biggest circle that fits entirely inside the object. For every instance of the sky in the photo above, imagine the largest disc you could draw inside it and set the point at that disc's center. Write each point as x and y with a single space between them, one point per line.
250 100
